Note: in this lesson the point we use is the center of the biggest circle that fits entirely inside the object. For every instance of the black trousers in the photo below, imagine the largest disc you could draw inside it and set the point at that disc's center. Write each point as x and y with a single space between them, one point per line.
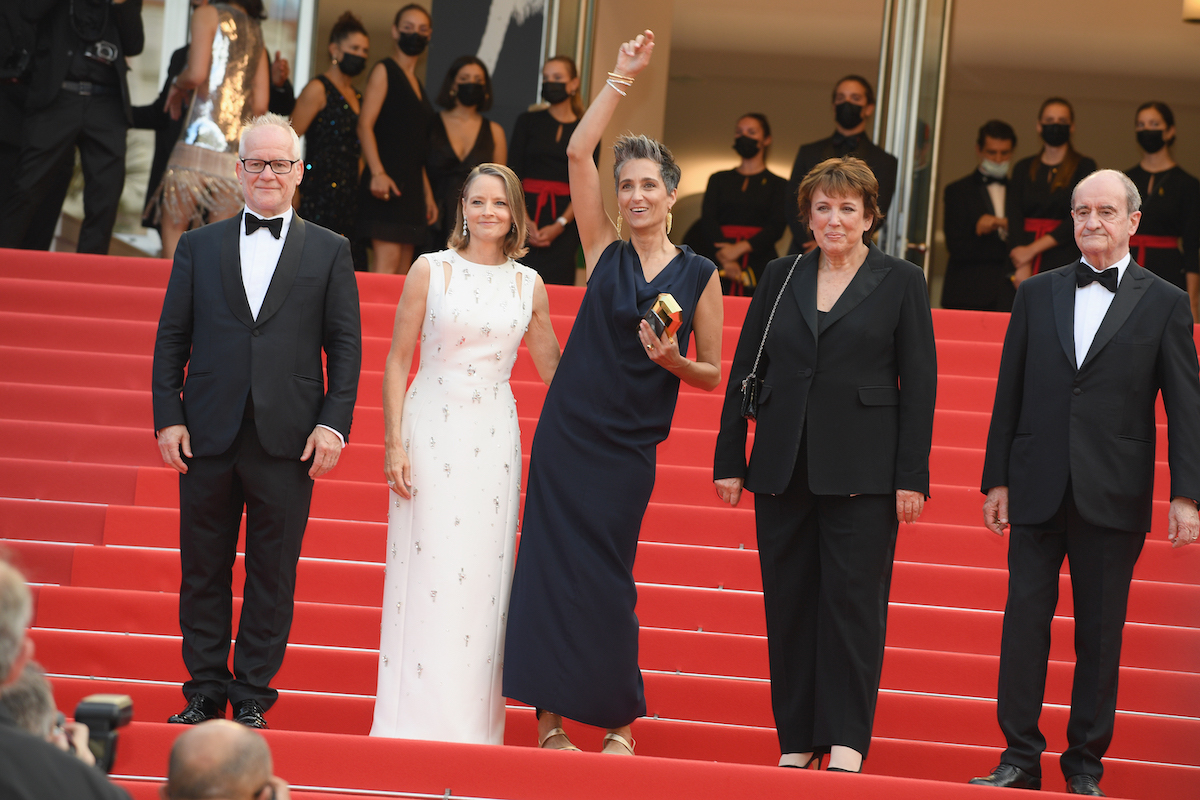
1102 561
275 493
96 125
827 570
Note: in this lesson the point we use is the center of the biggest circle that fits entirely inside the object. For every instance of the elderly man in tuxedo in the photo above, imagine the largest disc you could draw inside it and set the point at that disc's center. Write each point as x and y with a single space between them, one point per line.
1070 467
251 304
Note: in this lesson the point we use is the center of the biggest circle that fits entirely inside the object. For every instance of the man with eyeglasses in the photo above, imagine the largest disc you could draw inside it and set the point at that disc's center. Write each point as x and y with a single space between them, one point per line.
251 304
222 761
1069 470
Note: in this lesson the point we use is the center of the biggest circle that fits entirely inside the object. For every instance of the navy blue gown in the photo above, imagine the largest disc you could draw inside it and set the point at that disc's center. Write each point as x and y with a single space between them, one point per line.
572 642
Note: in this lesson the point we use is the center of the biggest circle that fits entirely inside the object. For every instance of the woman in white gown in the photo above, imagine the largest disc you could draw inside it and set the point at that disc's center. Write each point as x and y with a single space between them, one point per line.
453 463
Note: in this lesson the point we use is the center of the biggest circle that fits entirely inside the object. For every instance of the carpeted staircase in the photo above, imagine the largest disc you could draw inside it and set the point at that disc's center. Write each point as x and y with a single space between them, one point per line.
90 514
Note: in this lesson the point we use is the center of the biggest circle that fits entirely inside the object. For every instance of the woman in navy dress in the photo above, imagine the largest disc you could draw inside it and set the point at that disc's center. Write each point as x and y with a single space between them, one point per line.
572 642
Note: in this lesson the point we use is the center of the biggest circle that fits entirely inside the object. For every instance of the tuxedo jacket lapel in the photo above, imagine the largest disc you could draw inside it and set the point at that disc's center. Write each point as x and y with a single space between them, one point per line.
1063 291
285 270
869 275
231 272
1129 292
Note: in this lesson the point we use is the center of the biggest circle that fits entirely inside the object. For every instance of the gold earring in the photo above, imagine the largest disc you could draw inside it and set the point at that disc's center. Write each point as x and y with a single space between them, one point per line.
669 221
618 224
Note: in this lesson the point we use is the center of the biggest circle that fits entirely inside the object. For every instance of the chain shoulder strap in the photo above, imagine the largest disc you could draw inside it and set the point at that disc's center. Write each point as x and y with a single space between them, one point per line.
767 329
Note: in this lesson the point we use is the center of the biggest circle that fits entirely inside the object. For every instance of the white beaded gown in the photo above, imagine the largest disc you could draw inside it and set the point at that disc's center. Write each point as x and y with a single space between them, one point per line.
450 549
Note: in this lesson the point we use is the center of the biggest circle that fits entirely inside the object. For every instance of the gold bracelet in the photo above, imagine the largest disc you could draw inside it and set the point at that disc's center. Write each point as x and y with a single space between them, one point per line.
621 79
613 86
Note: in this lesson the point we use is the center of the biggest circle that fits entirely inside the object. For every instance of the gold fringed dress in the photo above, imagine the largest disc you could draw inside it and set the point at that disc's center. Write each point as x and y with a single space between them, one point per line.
200 184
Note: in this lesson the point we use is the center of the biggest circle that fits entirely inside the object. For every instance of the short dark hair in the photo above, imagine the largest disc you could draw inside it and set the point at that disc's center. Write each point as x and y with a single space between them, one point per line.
346 24
843 177
866 84
444 97
996 129
412 7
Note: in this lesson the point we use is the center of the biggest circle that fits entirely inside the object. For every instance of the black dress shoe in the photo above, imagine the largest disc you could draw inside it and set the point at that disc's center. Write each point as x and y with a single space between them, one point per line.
250 714
1008 776
199 709
1084 784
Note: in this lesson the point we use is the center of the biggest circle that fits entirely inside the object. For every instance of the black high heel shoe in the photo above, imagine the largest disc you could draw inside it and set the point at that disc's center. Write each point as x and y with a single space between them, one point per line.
817 757
839 769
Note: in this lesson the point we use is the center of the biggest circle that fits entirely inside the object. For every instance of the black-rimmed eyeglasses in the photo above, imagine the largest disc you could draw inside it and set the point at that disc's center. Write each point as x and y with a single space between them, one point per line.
257 165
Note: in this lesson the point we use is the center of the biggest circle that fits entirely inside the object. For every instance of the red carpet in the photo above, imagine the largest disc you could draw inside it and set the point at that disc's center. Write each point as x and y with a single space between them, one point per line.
87 510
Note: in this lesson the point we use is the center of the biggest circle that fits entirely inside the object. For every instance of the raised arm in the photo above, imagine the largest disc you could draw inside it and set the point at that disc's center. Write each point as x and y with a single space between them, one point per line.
596 230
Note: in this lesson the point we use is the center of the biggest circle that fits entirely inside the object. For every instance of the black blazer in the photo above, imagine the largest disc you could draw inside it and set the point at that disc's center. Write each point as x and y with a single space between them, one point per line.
56 42
863 389
977 274
1095 424
311 305
882 163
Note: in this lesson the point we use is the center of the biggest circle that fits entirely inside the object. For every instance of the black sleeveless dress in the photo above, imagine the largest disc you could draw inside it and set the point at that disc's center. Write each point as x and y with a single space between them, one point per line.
572 641
329 193
447 173
402 135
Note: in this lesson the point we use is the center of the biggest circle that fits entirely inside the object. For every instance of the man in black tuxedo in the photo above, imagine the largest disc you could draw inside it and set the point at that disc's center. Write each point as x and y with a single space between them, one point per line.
853 105
250 306
1070 465
78 97
978 272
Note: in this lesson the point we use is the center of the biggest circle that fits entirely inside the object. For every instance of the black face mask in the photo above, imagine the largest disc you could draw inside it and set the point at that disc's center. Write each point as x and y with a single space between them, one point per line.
1056 135
554 92
1151 140
746 147
469 94
848 115
351 65
412 44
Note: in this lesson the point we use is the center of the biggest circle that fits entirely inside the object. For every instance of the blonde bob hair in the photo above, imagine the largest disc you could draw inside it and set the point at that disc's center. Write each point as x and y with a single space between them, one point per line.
843 177
514 242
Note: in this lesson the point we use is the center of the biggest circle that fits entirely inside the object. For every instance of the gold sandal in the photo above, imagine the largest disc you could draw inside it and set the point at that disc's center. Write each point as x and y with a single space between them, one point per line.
553 732
626 744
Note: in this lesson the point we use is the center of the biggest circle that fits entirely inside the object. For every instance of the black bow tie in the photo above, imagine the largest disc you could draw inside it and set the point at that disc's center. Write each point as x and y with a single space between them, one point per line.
1085 275
253 223
843 144
989 179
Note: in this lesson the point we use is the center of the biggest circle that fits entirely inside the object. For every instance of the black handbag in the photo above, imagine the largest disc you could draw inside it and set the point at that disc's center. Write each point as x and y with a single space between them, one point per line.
752 384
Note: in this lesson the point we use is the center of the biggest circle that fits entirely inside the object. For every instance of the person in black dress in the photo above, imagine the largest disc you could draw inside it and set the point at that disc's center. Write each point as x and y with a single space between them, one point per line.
853 106
572 644
743 213
538 154
327 115
979 274
1167 241
1040 231
395 201
460 139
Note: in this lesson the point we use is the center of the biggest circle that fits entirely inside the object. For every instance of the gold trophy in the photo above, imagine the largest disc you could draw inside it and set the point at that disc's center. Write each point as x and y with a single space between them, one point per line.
665 314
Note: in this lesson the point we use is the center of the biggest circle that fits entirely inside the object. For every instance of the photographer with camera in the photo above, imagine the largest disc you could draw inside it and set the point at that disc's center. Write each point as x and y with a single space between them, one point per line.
29 701
30 767
78 96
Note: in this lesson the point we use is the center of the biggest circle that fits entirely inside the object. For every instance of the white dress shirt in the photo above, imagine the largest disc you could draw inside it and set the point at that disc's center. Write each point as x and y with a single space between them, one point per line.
1091 304
260 253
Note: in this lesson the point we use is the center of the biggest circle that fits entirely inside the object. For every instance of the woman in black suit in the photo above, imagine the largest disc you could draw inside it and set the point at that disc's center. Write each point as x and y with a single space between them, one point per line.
843 455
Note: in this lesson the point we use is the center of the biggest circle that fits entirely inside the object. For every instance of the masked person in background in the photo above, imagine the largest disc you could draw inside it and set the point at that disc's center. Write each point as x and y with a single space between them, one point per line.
395 202
1038 205
978 272
1168 239
538 154
853 106
742 216
327 114
460 139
